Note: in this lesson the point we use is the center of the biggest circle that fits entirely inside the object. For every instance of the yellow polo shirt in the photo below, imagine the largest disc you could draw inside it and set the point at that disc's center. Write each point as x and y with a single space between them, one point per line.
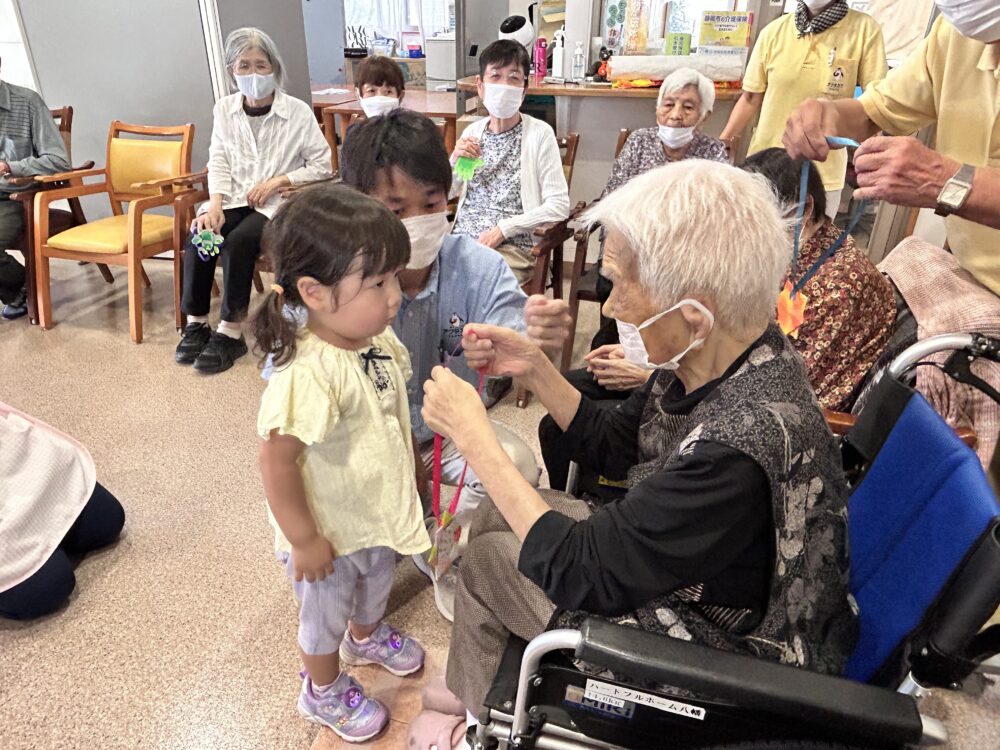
954 81
789 69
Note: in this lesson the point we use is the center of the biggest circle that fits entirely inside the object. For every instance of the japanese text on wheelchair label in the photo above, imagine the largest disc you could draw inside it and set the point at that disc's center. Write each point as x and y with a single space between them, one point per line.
613 694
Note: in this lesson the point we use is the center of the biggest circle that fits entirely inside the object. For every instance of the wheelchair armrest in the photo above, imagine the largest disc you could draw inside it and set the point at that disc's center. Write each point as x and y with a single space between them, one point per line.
751 682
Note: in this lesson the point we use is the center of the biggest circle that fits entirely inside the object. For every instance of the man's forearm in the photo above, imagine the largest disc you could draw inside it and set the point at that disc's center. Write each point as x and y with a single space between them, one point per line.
982 206
851 119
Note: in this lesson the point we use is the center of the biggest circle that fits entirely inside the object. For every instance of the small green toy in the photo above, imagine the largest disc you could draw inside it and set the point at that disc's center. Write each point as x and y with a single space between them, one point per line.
465 167
207 243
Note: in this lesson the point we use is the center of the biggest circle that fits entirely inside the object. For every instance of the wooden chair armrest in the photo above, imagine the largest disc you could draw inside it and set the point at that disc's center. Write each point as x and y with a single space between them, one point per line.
189 180
46 197
840 424
542 229
168 184
40 179
75 174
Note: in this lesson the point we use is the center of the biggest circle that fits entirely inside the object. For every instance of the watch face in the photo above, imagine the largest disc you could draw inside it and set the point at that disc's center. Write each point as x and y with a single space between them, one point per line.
953 194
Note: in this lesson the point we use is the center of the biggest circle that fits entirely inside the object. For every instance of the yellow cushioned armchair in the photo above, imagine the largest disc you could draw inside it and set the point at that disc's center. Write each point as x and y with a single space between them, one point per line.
142 163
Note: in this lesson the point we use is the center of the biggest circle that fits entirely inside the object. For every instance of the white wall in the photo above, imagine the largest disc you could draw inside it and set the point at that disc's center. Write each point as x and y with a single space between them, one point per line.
141 63
14 65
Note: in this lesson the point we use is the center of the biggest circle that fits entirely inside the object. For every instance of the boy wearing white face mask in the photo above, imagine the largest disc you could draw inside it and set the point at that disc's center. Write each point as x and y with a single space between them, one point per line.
379 84
262 140
521 183
450 281
822 49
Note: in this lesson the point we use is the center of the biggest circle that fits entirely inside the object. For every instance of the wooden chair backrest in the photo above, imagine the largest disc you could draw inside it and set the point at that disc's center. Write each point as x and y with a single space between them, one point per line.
64 120
623 135
568 145
159 153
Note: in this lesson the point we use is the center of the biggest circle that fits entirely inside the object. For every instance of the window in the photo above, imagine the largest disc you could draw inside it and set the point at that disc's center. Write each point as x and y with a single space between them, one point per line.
438 15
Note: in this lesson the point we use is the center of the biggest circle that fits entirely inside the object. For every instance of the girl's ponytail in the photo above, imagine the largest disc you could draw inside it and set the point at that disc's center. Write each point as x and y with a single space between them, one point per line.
274 329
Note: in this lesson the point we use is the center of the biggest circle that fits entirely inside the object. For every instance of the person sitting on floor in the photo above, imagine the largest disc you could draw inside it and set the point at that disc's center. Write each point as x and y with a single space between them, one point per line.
30 144
521 183
52 509
263 140
849 306
735 521
379 84
451 280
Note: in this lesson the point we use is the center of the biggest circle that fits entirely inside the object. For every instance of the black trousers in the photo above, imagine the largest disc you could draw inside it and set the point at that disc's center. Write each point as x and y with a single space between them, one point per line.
99 523
242 231
11 227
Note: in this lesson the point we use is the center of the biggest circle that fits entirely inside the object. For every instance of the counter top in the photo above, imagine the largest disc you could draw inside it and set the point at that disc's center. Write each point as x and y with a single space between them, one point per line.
538 87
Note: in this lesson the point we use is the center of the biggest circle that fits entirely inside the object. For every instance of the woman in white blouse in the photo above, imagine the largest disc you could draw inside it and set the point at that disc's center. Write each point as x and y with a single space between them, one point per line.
52 511
521 183
262 141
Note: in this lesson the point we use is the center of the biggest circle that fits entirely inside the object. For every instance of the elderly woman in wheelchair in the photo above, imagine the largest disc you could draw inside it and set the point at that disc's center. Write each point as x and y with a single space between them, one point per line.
733 532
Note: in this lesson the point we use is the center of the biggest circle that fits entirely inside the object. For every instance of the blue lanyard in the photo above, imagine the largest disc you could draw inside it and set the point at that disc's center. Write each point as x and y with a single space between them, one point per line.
800 213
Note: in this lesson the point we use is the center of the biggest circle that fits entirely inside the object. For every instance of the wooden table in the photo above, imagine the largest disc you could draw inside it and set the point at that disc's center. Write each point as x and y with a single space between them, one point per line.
319 101
440 104
538 87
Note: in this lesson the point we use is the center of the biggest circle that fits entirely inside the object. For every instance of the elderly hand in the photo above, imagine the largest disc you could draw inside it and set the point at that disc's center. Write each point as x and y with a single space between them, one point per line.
548 322
492 238
467 147
501 351
453 409
613 371
212 219
807 128
261 192
902 171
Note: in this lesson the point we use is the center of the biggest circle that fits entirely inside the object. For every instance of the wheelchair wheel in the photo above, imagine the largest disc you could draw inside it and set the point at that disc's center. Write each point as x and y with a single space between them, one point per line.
785 745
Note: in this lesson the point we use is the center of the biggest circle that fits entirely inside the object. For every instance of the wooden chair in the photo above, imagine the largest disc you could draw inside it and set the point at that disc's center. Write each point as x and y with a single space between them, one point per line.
550 238
139 172
59 219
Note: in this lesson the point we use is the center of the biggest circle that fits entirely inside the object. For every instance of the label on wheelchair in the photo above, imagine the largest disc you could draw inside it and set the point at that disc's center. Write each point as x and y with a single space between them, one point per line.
613 707
617 696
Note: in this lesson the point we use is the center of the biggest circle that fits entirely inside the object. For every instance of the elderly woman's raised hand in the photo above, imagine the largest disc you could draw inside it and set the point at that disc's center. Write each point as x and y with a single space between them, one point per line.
612 371
453 409
500 351
548 322
467 147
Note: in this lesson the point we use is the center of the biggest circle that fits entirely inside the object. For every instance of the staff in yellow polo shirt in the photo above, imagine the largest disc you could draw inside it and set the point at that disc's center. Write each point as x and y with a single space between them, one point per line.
823 49
952 79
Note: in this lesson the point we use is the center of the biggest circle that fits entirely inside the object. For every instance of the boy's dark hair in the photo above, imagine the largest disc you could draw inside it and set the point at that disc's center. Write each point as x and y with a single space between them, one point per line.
502 53
784 173
379 70
402 138
318 233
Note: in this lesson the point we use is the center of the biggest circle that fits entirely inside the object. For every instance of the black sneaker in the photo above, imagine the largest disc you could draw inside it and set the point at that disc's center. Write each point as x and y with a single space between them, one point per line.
219 355
193 341
17 308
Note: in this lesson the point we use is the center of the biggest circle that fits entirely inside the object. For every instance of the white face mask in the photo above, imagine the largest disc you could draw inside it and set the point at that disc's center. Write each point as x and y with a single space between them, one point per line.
426 235
635 348
675 137
502 101
815 6
975 19
378 105
255 85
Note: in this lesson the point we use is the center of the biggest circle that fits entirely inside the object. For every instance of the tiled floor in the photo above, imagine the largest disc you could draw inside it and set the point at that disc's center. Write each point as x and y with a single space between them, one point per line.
182 637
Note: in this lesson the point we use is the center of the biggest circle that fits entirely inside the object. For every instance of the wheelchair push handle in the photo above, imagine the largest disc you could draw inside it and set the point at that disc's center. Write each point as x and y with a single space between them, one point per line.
974 344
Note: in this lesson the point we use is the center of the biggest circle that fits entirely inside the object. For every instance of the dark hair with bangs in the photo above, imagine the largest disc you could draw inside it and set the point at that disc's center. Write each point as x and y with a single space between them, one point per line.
784 174
401 138
319 232
379 70
502 53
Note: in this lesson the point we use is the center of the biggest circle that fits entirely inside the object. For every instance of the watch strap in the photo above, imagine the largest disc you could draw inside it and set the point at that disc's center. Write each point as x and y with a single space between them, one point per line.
963 179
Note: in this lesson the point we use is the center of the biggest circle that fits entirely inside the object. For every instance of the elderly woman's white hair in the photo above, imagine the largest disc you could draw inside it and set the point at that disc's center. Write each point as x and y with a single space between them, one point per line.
682 77
698 228
247 38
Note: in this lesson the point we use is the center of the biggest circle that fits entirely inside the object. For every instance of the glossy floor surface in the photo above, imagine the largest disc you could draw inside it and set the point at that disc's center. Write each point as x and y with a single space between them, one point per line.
182 636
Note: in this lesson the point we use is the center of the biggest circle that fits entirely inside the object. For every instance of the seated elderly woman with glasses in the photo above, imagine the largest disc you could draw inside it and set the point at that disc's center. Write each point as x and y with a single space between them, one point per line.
733 531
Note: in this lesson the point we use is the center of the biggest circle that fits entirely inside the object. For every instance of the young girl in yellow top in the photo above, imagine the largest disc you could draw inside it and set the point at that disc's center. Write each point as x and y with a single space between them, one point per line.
335 452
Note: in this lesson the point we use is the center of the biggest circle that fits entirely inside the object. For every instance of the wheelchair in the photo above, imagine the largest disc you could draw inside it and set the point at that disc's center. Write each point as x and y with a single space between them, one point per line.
925 572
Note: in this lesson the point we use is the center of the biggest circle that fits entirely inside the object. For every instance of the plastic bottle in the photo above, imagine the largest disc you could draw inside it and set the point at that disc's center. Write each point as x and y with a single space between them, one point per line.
579 62
559 53
541 58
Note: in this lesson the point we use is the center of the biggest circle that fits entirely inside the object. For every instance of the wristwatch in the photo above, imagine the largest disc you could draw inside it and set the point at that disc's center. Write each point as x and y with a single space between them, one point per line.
956 191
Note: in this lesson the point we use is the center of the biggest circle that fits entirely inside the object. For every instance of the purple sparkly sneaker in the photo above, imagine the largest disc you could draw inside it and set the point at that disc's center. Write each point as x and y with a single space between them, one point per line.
386 647
344 708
